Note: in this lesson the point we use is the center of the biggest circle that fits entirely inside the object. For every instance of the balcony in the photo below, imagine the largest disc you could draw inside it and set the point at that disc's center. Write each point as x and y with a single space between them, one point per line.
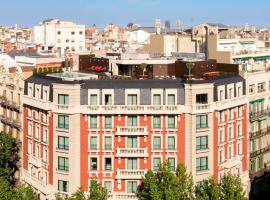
122 196
131 131
256 115
260 152
135 109
132 174
259 173
34 182
131 152
10 104
259 133
35 161
11 122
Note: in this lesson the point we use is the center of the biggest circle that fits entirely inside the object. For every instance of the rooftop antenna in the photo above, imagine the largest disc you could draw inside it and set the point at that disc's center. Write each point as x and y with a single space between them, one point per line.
190 66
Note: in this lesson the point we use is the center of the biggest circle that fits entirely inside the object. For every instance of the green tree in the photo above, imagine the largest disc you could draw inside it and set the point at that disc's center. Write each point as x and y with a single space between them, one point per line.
208 190
78 195
185 183
7 191
9 148
166 185
231 187
96 191
150 188
26 192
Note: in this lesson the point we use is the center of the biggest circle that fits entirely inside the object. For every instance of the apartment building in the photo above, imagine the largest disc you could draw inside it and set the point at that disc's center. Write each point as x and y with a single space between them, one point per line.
248 52
258 94
11 89
77 127
59 36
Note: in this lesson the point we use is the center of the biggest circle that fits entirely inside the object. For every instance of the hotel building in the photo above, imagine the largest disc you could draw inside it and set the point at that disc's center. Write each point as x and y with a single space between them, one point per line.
78 127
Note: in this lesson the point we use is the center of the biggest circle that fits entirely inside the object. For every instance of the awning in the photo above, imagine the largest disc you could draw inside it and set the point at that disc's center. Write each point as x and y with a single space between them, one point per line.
263 118
257 100
262 58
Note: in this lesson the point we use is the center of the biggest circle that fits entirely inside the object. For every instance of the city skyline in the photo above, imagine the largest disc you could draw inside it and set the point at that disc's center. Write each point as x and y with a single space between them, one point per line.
121 12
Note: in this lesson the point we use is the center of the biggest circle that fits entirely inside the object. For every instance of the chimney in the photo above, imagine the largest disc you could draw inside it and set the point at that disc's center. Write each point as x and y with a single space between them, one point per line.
206 42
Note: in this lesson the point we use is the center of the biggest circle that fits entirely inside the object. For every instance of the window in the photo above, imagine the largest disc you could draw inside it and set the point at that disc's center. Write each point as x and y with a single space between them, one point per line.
58 32
171 99
157 121
261 87
239 91
62 186
239 129
251 89
63 99
201 163
132 163
107 164
108 186
239 149
108 99
63 163
260 162
230 133
221 140
131 142
231 114
72 33
131 186
171 143
156 163
157 143
67 41
230 152
221 95
221 116
93 122
230 95
171 121
132 120
63 121
80 32
108 143
201 99
157 99
221 156
108 121
172 163
93 143
63 142
93 99
132 99
201 121
93 164
45 135
201 142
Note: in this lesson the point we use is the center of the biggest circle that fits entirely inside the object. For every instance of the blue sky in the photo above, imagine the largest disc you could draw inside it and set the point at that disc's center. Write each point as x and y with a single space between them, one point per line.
102 12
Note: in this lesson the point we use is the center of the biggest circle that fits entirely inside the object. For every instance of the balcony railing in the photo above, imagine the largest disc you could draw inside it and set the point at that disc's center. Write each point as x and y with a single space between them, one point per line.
35 161
11 122
255 115
260 152
136 109
10 104
122 196
259 133
130 174
137 130
131 152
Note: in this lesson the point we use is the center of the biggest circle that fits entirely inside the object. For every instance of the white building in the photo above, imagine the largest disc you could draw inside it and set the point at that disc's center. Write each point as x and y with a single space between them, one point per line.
59 36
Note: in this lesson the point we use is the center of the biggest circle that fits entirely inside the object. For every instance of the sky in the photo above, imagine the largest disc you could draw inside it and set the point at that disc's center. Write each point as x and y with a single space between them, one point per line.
27 13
